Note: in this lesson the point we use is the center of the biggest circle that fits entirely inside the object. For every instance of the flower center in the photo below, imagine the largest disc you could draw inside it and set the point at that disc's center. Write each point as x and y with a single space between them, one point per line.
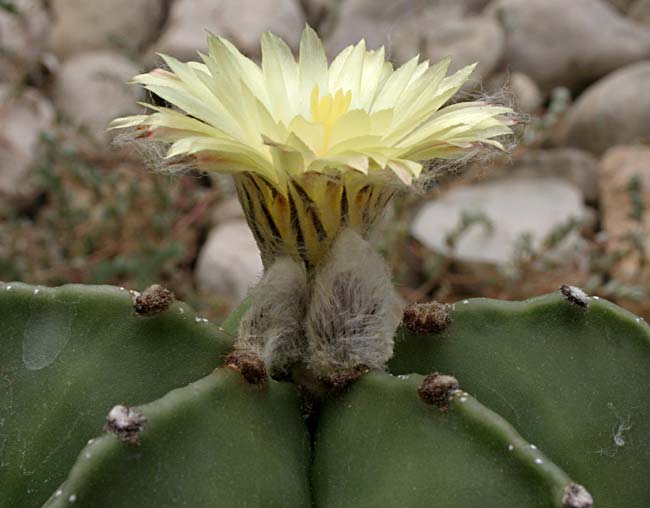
327 110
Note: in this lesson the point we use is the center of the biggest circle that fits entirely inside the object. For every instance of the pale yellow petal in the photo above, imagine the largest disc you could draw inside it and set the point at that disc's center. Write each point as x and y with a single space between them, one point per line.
127 121
395 85
281 76
312 68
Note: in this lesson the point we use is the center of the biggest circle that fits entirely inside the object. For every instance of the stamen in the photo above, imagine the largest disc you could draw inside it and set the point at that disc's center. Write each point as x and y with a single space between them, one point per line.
327 110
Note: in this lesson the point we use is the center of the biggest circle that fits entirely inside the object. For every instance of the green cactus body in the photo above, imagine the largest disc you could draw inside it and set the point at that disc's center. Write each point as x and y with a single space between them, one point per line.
70 354
573 381
546 371
380 445
216 442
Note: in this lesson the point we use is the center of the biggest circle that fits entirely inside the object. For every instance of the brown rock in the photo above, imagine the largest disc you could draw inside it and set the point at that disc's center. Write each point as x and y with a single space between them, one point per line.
625 207
640 11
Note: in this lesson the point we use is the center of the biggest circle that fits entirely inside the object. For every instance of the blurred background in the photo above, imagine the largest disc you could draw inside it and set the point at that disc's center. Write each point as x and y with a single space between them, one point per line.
570 205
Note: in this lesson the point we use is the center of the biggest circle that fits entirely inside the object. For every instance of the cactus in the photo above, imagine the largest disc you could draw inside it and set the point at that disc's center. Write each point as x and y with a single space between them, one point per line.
68 355
571 375
79 364
292 407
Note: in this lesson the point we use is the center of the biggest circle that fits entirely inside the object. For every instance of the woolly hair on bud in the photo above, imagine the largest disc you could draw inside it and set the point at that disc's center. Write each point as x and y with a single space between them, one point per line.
354 310
272 326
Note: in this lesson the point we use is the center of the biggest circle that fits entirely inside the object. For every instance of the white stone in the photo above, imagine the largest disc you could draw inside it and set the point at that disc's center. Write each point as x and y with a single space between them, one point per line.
227 210
532 206
241 21
571 164
613 111
435 30
568 43
84 25
92 89
23 117
466 40
22 37
229 263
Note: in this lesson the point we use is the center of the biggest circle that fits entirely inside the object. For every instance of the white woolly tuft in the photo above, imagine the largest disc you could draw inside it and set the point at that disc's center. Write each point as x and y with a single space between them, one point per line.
153 152
354 310
272 326
436 169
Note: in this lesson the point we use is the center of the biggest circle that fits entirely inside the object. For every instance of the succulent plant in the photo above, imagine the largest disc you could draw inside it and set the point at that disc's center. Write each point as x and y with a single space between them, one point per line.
305 396
102 406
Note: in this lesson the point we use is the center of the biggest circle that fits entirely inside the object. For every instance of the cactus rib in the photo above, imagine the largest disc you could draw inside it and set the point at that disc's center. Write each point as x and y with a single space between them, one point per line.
216 442
70 354
381 446
573 381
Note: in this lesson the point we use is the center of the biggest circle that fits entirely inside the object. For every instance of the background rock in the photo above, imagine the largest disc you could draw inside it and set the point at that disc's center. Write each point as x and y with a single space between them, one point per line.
229 209
22 37
435 29
23 118
535 206
466 40
621 5
241 21
92 89
82 25
625 209
640 11
615 110
575 166
229 263
568 43
524 91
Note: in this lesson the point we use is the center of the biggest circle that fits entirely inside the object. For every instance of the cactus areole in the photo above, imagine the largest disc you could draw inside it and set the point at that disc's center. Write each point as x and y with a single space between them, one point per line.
313 393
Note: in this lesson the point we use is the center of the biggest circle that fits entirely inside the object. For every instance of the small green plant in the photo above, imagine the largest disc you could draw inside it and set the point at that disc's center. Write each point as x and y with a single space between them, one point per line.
320 390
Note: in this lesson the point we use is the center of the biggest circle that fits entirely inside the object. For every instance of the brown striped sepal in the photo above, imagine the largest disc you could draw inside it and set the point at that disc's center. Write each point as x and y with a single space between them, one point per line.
302 219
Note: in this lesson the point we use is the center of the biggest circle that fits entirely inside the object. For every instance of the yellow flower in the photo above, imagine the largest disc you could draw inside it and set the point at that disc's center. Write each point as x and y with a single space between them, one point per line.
313 147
